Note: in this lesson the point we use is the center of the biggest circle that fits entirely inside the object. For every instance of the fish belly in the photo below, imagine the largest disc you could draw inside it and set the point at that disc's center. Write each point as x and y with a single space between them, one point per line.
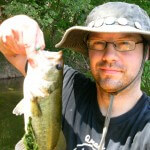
47 126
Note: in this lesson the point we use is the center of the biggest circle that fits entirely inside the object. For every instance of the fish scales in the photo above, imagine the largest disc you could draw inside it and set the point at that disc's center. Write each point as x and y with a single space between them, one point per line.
42 103
48 123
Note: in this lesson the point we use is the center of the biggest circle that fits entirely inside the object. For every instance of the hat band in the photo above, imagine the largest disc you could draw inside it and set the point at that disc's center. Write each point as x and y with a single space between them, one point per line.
113 21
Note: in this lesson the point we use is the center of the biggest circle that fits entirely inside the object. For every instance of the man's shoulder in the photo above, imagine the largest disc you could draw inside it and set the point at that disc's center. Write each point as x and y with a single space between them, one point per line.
74 78
142 138
145 107
146 98
77 89
146 115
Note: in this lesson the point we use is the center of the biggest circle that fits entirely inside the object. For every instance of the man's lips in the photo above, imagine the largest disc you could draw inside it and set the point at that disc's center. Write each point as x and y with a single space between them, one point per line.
107 70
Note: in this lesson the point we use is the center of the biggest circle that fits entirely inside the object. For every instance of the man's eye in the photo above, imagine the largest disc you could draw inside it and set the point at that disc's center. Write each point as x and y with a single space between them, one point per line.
124 43
99 43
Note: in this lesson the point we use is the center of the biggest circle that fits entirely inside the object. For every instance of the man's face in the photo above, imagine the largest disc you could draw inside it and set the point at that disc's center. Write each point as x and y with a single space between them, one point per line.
113 69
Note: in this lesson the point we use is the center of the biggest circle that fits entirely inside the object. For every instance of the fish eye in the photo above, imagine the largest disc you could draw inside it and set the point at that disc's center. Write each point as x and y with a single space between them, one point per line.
59 67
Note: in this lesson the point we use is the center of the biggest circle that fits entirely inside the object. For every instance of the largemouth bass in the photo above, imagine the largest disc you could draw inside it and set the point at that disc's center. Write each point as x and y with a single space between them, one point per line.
42 104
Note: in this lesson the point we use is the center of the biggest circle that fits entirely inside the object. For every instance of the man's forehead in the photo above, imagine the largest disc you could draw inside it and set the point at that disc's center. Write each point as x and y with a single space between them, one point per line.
115 35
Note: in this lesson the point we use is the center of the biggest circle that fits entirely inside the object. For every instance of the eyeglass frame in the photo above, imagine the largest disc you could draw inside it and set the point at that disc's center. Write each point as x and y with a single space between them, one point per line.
114 45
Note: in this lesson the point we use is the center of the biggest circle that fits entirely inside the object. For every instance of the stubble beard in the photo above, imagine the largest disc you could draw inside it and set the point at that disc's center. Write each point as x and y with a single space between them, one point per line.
108 84
113 83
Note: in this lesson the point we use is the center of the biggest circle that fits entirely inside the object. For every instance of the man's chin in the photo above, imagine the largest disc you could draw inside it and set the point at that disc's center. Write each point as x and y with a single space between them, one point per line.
110 87
109 90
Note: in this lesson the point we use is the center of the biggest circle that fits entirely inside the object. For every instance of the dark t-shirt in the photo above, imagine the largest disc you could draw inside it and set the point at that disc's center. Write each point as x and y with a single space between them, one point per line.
83 122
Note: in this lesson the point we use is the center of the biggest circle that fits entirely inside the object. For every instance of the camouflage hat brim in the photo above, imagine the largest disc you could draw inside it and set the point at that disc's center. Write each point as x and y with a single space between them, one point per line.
75 37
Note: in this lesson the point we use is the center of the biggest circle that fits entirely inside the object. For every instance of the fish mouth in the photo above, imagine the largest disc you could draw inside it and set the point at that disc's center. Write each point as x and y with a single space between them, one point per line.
54 58
53 55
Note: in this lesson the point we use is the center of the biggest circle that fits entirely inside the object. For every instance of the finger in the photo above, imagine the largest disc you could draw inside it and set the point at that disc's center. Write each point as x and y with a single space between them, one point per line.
29 38
40 42
7 39
13 46
4 49
20 47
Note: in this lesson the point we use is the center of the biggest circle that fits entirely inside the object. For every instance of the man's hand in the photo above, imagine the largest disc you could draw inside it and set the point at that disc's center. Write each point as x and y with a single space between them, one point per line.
19 37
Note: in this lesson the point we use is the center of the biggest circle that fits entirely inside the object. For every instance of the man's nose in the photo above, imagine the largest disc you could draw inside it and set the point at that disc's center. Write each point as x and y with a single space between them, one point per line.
110 53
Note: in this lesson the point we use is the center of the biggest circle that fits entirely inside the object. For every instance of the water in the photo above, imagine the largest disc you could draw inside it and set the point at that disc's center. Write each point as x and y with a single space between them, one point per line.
11 126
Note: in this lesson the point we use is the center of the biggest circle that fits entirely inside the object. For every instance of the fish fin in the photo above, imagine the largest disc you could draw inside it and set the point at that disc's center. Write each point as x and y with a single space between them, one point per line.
35 108
18 110
61 144
20 145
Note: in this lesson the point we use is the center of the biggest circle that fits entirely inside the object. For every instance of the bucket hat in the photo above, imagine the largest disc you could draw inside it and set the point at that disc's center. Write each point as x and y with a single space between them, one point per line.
111 17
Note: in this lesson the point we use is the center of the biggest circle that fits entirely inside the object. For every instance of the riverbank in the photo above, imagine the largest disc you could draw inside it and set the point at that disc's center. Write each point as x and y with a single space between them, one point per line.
7 71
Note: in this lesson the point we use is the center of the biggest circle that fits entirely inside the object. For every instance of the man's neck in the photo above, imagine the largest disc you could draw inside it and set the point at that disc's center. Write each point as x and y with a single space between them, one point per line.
123 101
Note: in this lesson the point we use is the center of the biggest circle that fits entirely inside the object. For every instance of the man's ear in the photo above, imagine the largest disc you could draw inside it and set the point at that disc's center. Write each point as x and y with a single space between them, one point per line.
148 53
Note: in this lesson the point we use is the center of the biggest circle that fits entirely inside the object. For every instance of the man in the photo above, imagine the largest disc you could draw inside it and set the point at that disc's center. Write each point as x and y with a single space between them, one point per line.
116 40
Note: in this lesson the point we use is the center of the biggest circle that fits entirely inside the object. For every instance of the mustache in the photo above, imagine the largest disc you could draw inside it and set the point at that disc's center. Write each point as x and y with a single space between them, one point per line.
112 65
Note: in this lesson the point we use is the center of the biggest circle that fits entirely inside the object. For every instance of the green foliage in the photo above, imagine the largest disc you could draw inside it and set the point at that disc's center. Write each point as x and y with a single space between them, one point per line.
146 78
53 16
77 61
29 138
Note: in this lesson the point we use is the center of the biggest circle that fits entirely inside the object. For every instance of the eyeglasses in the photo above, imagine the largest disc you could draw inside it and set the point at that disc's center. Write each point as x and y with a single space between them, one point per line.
120 45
